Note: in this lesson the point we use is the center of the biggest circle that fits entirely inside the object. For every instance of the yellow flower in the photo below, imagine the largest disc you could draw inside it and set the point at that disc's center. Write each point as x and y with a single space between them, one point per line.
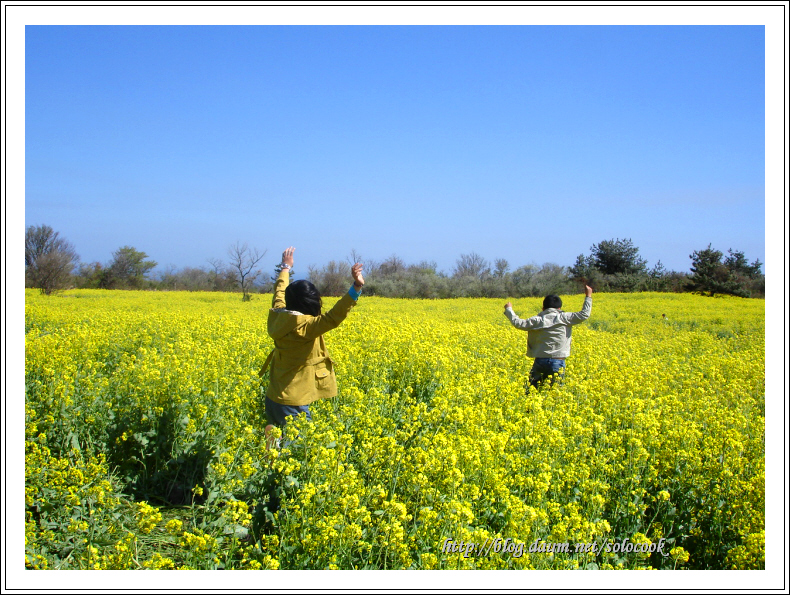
431 436
174 526
679 555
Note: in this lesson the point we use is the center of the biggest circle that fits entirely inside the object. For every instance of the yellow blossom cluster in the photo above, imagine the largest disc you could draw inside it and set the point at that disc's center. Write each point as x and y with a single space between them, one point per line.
142 407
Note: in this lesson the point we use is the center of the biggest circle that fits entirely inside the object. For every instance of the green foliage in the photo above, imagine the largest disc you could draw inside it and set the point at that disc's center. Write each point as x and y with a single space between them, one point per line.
90 276
333 279
127 269
533 281
582 269
737 263
617 257
730 277
614 265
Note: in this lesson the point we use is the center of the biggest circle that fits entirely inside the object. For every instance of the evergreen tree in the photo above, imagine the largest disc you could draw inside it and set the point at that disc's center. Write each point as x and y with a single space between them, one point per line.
709 274
617 257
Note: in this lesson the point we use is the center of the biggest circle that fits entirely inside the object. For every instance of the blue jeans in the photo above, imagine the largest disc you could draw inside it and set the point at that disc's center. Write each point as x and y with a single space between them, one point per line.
545 367
277 414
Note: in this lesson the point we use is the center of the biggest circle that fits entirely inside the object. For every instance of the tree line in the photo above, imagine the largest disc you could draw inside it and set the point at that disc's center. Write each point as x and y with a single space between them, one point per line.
52 264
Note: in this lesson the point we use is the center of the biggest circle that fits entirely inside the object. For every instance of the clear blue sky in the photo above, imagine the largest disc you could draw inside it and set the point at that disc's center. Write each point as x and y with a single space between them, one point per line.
529 143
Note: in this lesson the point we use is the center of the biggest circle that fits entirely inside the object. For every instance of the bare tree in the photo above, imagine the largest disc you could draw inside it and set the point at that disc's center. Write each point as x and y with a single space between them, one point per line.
243 261
472 265
218 268
424 267
332 279
392 266
216 264
354 257
502 268
169 278
223 278
49 259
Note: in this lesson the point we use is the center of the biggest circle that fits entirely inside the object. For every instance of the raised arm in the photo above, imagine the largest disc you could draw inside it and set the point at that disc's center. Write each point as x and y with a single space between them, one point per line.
584 313
278 301
520 323
337 314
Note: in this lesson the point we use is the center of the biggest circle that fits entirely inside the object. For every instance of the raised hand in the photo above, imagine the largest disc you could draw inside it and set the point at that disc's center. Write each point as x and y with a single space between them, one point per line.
356 274
288 256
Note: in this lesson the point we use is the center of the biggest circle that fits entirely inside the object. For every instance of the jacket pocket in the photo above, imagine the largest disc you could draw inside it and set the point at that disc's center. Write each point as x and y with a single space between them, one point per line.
322 378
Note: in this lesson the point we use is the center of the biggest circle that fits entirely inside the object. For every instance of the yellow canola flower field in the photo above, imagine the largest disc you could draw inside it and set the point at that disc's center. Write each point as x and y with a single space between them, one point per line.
145 448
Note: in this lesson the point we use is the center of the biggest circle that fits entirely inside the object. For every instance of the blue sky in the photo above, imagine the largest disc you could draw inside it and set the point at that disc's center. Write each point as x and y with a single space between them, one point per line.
529 143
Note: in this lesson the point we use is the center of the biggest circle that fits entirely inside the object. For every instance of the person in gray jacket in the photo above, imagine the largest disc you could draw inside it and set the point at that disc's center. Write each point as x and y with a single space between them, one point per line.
549 335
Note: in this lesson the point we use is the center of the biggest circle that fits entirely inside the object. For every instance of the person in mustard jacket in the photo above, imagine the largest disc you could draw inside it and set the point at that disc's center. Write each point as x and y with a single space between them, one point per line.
300 369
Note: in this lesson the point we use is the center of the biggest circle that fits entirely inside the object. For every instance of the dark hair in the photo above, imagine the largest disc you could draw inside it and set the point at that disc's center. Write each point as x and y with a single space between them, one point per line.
552 301
302 296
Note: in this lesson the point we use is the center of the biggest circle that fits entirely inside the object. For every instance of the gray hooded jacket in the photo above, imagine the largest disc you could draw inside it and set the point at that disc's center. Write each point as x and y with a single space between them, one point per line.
550 331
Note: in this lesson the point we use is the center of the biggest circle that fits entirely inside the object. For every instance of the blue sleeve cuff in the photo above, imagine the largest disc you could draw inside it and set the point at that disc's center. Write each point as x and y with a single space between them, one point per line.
354 293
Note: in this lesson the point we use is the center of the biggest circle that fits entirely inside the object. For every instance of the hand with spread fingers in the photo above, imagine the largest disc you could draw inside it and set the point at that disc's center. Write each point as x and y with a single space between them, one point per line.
288 257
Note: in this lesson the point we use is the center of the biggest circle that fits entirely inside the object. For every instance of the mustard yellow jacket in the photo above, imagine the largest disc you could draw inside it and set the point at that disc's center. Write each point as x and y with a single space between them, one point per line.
300 369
